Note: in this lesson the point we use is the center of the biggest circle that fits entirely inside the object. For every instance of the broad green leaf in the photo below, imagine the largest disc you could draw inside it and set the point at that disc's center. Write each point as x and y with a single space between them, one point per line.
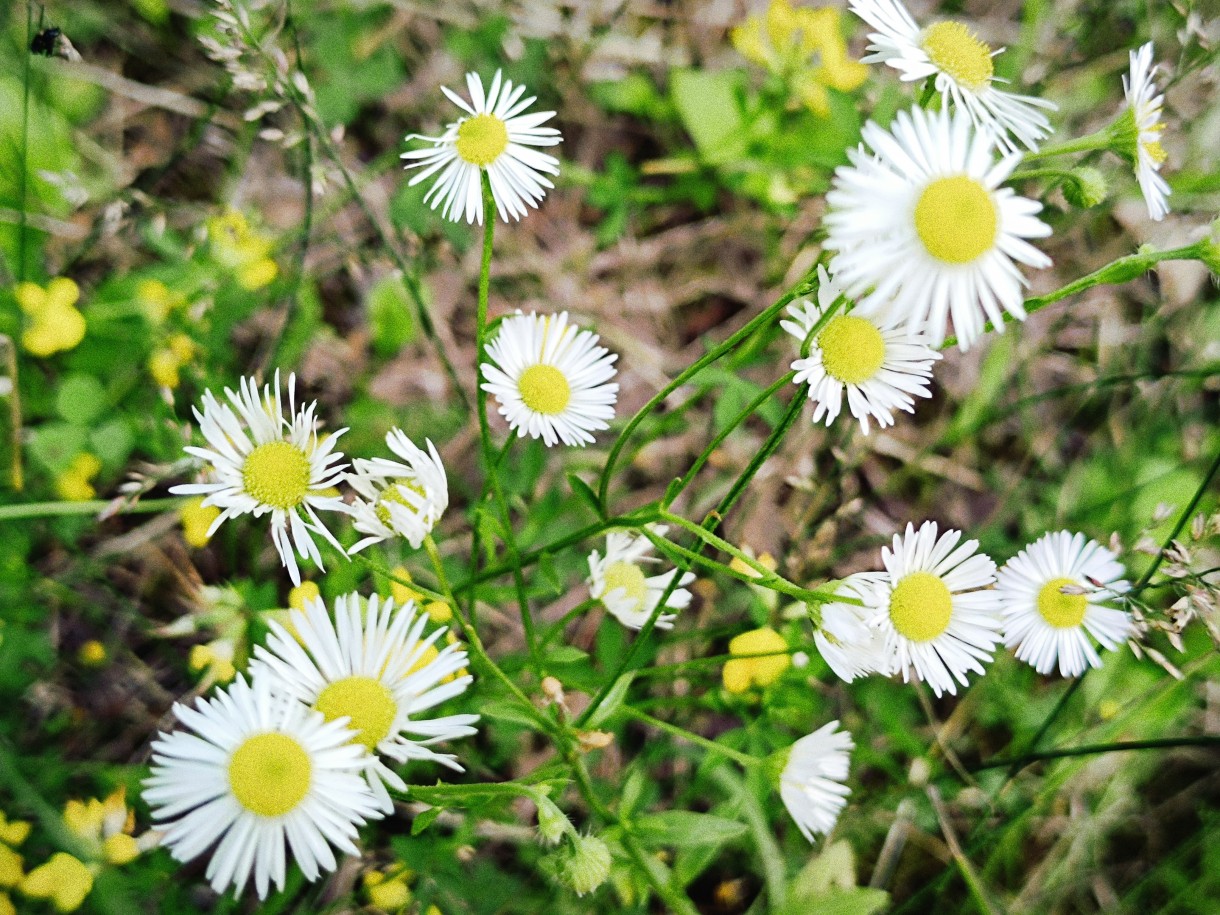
709 104
682 828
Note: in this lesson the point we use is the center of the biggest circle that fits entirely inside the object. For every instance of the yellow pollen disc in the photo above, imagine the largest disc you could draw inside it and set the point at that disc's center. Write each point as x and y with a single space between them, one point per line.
276 474
920 606
956 50
270 774
1063 611
630 578
369 704
392 494
1156 152
956 219
852 349
481 139
544 389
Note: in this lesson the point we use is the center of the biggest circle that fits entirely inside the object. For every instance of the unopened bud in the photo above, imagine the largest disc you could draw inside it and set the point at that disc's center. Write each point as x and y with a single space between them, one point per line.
1086 188
585 865
553 824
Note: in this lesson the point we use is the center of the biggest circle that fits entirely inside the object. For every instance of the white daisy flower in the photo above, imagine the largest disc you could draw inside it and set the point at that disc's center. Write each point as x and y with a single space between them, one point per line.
619 581
260 462
399 500
878 364
1142 127
963 69
259 771
1042 623
811 781
374 669
849 645
495 136
552 381
935 620
923 231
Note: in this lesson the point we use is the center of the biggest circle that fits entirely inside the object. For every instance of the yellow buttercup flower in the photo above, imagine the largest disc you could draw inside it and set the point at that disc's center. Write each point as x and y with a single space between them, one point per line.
165 363
54 323
73 485
13 832
215 658
401 592
64 880
238 247
6 905
740 674
389 890
804 46
158 300
11 870
196 521
105 827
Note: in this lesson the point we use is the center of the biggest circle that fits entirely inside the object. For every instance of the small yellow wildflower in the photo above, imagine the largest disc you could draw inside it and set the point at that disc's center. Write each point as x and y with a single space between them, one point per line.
13 832
401 592
196 521
303 593
11 867
740 674
157 300
64 880
216 658
766 560
91 653
105 827
438 611
240 248
786 40
6 905
389 891
165 363
73 485
54 324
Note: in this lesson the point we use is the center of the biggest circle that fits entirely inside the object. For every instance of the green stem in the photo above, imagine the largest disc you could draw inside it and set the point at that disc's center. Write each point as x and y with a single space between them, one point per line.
1089 143
389 575
745 759
22 177
1020 762
90 507
1029 174
928 93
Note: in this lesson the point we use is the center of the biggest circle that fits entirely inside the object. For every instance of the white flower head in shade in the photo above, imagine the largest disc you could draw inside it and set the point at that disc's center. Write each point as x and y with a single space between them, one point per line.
260 771
1141 127
882 367
811 783
936 620
1053 592
923 231
620 580
373 667
847 643
494 135
398 499
261 462
551 379
962 66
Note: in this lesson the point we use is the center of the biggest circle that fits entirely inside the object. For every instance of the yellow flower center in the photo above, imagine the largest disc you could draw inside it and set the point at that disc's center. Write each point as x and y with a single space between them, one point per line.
544 389
852 349
393 494
1063 611
921 606
277 474
270 774
630 578
956 219
956 50
1156 152
369 704
481 139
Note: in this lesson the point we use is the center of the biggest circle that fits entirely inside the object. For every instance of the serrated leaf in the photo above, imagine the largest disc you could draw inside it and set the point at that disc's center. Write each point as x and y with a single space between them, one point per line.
683 828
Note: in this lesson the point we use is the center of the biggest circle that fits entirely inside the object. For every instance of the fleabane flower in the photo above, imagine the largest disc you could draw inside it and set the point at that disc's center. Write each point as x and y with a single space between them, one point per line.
399 499
620 581
260 776
372 667
1139 129
962 66
260 462
497 136
936 621
882 367
845 640
811 778
1056 590
551 380
923 231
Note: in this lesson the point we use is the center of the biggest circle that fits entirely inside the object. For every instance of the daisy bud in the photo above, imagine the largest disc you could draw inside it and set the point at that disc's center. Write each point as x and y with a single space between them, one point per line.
585 865
553 823
1086 189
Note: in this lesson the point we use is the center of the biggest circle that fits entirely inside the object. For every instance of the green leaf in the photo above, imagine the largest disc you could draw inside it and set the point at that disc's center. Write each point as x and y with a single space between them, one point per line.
683 828
390 316
566 654
613 700
56 444
80 399
112 442
425 819
585 492
709 104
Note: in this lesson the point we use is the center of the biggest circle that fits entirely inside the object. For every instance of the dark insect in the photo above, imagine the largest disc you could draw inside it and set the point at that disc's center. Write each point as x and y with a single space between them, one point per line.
44 42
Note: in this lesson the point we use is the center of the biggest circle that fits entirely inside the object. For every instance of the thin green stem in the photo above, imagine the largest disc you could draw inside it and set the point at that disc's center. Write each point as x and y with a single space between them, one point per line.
1020 762
745 759
1089 143
1030 174
390 575
90 507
